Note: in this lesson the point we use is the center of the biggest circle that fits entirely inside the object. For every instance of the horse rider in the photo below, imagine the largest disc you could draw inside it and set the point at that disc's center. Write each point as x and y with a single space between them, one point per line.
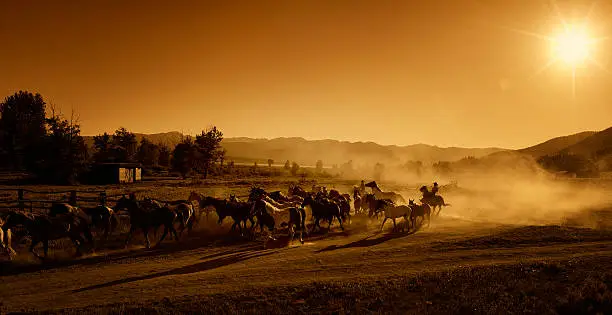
362 188
434 189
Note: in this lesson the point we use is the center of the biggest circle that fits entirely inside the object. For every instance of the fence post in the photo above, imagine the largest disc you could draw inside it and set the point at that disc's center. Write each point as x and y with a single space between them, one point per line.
20 199
103 198
73 198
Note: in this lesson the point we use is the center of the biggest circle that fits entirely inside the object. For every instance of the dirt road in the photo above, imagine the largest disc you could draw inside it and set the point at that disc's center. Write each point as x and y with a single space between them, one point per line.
199 267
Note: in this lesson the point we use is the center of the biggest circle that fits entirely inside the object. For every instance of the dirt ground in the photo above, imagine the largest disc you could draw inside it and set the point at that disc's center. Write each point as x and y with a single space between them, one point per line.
455 265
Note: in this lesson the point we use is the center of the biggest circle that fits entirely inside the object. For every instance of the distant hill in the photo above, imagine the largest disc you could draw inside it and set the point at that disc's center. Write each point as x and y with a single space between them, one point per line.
590 151
597 145
555 145
307 152
337 152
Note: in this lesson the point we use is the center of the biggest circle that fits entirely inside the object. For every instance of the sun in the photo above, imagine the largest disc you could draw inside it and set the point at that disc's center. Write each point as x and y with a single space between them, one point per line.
572 46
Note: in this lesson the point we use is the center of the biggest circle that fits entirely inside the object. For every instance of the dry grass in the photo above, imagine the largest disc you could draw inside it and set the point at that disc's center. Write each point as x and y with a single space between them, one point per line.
577 286
454 266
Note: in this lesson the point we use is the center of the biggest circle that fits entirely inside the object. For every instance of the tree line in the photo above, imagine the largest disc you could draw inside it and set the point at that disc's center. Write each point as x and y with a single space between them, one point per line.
37 140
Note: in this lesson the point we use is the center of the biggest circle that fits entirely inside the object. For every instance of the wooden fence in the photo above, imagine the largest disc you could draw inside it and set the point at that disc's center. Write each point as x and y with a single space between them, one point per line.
26 199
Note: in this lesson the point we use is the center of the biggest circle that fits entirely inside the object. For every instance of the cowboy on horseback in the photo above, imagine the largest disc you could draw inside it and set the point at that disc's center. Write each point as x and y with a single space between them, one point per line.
434 189
426 194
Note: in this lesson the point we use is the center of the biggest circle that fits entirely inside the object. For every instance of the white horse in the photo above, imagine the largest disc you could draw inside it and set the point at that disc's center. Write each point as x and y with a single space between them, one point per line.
394 212
5 240
395 197
273 217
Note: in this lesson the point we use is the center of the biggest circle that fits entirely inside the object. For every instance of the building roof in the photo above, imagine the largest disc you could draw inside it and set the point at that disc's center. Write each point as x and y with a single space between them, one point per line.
123 165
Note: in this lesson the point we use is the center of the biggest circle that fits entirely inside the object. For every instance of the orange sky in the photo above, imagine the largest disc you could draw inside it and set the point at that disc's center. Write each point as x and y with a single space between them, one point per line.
448 73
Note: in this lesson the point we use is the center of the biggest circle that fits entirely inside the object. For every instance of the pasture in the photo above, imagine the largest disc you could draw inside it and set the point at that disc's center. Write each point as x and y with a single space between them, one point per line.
483 254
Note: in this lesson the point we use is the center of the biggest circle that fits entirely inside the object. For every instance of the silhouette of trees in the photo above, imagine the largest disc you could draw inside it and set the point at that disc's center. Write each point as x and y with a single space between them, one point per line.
119 147
147 153
23 130
208 146
270 162
50 148
319 167
294 168
163 159
64 154
183 156
287 165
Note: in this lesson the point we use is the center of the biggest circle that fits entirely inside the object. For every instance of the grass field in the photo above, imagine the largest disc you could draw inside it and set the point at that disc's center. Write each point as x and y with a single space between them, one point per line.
465 262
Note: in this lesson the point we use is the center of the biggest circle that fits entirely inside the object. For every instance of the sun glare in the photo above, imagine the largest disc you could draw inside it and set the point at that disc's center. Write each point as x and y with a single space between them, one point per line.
572 46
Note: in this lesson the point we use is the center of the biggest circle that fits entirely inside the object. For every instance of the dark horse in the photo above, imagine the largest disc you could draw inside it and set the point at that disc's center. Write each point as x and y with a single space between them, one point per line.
145 215
374 205
44 228
239 211
101 217
323 209
433 200
422 211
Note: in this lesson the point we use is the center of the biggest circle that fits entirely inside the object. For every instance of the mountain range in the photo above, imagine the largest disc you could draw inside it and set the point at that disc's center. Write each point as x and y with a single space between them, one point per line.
590 144
307 152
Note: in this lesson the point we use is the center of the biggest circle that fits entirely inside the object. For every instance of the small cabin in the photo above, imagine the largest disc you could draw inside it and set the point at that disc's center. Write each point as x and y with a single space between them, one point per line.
115 173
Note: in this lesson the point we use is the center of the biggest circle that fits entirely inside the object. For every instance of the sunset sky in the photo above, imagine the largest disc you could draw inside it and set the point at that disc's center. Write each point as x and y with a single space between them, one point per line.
447 73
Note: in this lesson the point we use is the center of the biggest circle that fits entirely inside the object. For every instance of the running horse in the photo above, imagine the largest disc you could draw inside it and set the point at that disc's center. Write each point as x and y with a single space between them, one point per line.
395 197
432 200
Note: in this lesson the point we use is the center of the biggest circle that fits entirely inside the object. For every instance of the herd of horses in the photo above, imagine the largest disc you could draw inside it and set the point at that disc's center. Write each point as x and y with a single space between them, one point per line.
270 211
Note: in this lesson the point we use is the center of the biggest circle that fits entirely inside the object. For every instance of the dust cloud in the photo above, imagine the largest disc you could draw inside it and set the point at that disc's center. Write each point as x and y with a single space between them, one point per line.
504 189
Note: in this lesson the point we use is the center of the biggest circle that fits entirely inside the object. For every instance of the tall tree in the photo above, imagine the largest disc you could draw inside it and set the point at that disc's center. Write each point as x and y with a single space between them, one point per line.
270 162
208 145
103 144
147 153
23 129
64 151
164 155
119 147
125 145
183 157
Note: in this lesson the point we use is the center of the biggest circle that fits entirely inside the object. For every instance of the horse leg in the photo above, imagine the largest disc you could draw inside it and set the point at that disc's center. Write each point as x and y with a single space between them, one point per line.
166 229
383 224
173 230
46 248
291 233
394 225
339 221
9 246
129 236
145 232
90 238
35 242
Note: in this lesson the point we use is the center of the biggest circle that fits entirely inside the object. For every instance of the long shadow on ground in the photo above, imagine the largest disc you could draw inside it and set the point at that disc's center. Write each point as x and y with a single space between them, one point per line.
203 266
200 241
368 241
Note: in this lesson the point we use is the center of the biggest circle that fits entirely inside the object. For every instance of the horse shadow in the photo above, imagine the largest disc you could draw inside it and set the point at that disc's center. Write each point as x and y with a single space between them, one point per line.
368 241
198 267
9 268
